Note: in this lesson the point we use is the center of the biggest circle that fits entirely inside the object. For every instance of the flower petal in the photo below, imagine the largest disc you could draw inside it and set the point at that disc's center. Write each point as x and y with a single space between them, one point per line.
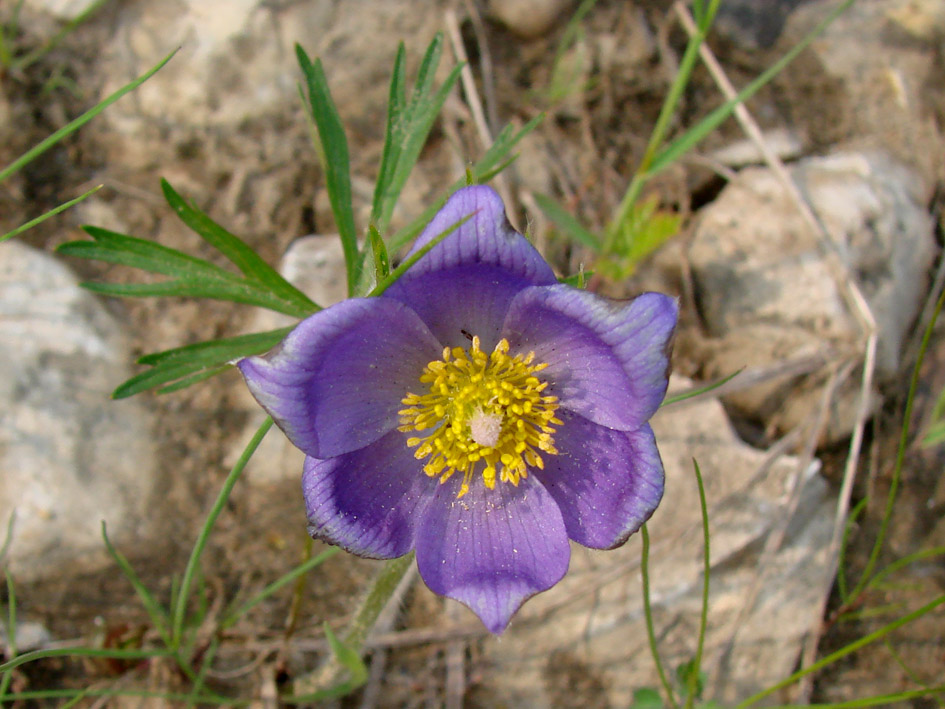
467 281
607 483
336 382
368 501
492 549
607 360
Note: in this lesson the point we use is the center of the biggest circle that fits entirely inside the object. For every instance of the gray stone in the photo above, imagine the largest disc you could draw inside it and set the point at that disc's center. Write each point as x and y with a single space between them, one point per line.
70 457
237 60
595 618
768 295
868 83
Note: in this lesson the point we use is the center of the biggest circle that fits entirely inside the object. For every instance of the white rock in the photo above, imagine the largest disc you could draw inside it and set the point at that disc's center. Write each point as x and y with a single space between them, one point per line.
768 295
784 143
237 59
70 457
529 18
61 9
595 615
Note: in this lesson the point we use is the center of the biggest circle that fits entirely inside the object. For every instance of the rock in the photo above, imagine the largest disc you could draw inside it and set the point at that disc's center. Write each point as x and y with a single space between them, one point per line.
237 61
922 19
868 83
593 620
64 10
783 142
30 635
529 18
315 265
70 457
768 296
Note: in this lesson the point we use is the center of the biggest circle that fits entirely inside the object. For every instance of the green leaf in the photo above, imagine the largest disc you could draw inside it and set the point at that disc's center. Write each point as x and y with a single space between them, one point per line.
408 126
112 247
216 351
492 162
334 144
192 363
416 256
196 287
566 222
347 658
241 255
646 698
577 280
381 259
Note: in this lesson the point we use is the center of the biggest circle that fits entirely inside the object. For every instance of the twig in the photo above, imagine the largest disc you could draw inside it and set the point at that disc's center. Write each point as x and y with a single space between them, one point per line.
455 665
779 530
472 97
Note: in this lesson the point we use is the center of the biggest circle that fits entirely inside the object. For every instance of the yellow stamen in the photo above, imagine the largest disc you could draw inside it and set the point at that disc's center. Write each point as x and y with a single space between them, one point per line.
482 407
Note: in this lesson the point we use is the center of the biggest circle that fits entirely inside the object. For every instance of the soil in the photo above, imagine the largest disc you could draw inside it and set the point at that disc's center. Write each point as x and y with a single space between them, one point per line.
595 142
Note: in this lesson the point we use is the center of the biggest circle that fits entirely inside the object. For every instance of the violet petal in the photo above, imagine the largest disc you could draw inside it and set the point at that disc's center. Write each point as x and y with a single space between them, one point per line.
368 501
607 483
492 549
336 382
467 281
607 360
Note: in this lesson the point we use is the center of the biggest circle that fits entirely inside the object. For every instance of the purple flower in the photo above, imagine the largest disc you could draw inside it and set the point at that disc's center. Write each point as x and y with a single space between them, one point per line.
477 412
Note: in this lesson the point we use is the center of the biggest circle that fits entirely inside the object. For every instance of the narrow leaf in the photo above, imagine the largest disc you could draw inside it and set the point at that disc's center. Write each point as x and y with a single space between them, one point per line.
236 250
396 103
51 213
494 156
216 351
183 366
381 260
566 222
112 247
337 164
154 609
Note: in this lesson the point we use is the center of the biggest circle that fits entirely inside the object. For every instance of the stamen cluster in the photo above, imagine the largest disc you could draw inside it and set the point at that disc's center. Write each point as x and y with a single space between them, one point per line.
481 407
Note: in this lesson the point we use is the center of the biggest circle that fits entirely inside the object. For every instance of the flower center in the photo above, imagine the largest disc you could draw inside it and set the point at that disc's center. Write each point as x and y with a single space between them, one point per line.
481 407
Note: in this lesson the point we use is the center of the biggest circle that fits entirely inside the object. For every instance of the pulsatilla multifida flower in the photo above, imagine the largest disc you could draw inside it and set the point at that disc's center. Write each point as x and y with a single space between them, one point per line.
478 412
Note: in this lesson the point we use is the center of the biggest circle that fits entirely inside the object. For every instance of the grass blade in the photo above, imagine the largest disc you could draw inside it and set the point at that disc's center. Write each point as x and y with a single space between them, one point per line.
681 145
155 611
396 102
231 618
51 213
73 126
179 606
691 693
